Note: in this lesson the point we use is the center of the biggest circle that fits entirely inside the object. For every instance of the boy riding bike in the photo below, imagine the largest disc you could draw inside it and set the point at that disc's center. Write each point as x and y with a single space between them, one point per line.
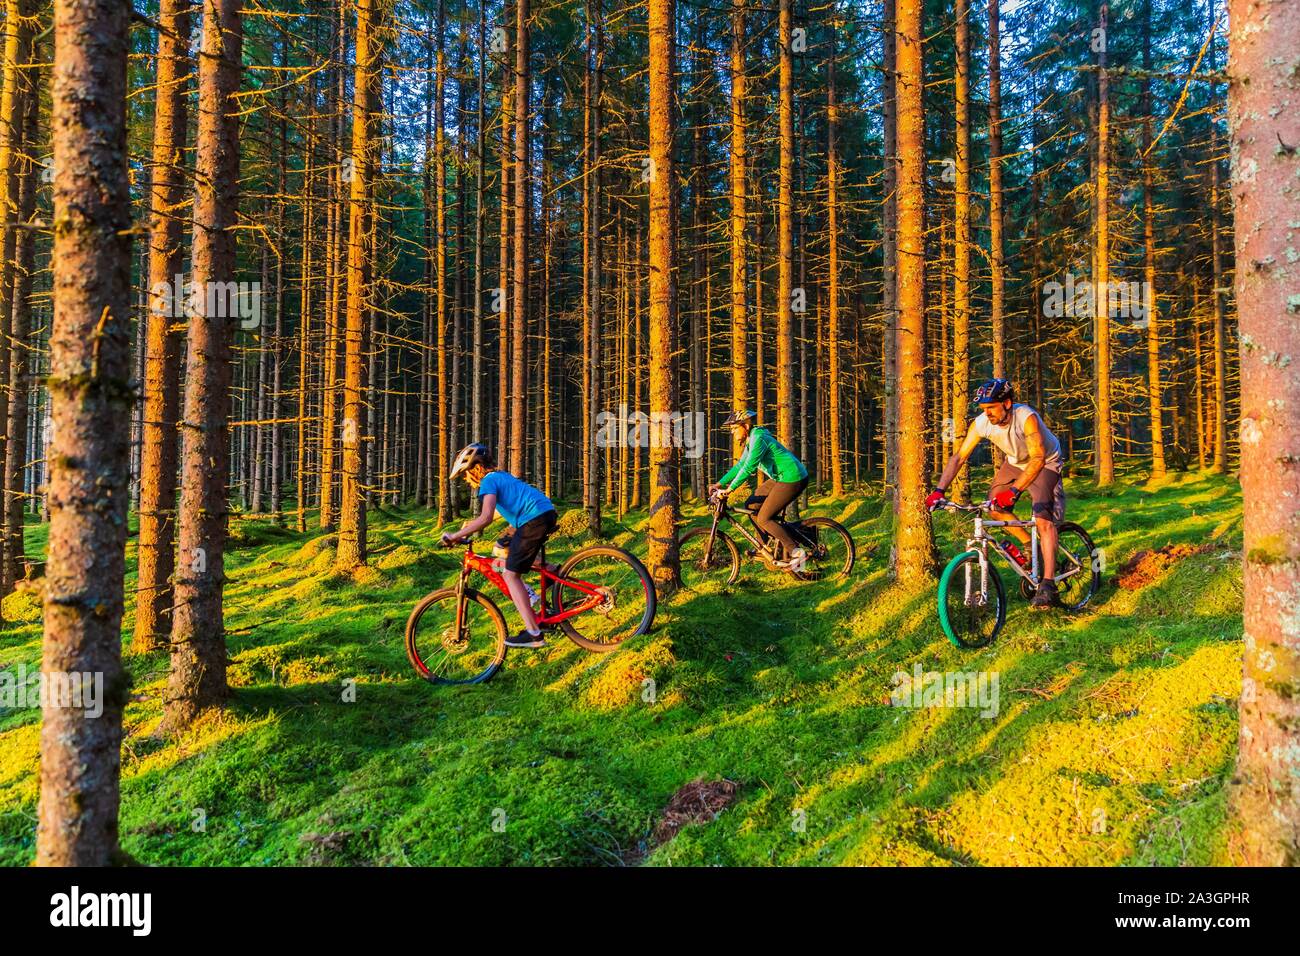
526 509
1033 463
786 479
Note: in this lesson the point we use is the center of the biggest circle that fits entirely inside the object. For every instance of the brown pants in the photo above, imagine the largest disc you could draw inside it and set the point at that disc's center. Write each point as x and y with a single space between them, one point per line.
771 498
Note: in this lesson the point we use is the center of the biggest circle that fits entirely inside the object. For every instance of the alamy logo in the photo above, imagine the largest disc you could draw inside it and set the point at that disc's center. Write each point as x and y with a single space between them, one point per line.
1123 300
919 689
72 909
20 689
624 429
213 300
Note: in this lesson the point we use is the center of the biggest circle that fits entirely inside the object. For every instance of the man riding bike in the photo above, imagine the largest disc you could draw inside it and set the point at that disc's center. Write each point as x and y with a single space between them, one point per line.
785 479
1032 463
526 509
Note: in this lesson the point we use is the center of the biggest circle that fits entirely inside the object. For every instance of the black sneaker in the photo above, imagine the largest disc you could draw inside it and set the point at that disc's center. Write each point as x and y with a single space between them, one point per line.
1045 597
524 639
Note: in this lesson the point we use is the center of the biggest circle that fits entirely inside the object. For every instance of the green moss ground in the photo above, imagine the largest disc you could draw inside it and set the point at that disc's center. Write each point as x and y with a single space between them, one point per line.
1115 735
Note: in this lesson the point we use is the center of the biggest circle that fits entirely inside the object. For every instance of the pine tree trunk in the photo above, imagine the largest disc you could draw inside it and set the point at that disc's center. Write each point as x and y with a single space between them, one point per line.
442 462
785 235
198 666
367 86
305 309
1154 397
1264 795
739 226
91 399
20 378
13 99
913 538
961 305
1105 439
662 554
997 271
889 229
518 382
833 275
503 259
480 158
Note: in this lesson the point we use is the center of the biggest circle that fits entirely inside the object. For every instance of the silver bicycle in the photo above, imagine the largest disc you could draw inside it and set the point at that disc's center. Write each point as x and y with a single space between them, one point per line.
972 599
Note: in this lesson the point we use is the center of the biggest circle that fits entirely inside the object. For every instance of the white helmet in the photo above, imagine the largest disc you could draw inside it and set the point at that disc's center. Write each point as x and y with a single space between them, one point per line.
470 455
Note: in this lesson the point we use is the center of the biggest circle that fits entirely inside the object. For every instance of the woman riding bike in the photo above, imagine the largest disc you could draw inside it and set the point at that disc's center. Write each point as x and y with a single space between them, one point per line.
785 479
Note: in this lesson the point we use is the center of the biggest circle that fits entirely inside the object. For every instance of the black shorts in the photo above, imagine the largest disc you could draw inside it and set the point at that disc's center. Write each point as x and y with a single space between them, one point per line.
527 541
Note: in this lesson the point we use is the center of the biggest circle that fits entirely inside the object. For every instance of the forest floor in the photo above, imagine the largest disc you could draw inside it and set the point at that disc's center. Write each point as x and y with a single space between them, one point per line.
1113 740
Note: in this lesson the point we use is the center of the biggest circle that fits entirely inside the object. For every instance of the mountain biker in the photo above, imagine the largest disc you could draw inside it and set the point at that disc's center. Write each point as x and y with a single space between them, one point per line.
1033 463
785 475
528 510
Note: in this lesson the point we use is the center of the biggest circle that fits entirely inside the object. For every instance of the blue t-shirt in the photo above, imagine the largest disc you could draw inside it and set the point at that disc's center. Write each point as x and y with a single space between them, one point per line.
517 501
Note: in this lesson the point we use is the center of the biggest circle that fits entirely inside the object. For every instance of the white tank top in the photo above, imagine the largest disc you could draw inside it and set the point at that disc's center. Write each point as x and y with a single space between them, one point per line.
1010 438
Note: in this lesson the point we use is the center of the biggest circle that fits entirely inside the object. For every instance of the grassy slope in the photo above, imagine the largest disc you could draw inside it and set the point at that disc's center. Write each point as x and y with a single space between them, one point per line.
1116 731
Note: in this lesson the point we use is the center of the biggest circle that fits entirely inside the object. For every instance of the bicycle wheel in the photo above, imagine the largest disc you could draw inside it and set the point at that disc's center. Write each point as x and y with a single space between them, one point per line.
971 616
830 548
626 597
1078 574
439 654
722 565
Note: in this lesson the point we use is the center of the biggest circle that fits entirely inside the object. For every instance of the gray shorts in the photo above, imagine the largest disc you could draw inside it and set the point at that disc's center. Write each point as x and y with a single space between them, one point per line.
1046 491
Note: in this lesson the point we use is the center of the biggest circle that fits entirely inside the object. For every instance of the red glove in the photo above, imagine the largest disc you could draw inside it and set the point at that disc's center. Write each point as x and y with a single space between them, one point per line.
1006 498
936 496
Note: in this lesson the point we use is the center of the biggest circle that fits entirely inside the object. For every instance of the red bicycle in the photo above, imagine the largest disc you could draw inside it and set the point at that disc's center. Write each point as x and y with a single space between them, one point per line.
599 598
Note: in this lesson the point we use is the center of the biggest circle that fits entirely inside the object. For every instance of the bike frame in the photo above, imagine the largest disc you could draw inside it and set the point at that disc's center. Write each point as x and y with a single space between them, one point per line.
482 564
980 540
723 510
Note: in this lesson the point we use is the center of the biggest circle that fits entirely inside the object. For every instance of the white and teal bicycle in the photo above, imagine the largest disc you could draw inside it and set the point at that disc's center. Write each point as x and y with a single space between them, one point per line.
972 598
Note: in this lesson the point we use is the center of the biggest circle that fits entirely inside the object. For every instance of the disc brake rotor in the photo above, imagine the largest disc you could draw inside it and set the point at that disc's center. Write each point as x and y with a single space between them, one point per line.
452 642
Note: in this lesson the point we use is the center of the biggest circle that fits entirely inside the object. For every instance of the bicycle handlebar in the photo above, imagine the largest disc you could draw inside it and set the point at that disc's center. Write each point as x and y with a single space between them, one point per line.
947 505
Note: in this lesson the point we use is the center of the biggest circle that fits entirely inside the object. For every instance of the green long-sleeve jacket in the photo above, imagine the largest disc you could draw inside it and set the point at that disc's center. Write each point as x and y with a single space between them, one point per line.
764 453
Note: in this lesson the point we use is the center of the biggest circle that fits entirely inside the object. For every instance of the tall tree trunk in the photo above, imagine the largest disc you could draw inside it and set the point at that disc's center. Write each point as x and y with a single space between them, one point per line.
480 158
518 382
833 270
1219 403
739 159
13 99
785 234
1104 452
960 382
442 463
305 306
366 106
161 360
913 538
997 272
333 311
91 398
1154 398
503 258
198 665
15 463
664 566
889 253
1264 794
591 264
